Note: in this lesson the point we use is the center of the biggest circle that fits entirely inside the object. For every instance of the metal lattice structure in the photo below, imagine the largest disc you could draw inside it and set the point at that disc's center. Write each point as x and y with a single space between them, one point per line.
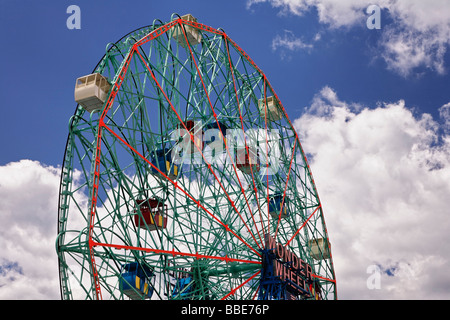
187 167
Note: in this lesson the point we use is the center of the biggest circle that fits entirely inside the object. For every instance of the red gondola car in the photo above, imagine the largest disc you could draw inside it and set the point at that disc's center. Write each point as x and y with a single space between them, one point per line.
152 214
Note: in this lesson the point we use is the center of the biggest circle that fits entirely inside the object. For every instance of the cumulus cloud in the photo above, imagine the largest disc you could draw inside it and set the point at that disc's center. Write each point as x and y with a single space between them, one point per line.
383 177
417 37
28 208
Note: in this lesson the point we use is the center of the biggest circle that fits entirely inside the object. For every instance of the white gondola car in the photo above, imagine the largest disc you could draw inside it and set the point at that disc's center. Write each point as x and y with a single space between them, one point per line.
320 248
91 91
273 110
193 35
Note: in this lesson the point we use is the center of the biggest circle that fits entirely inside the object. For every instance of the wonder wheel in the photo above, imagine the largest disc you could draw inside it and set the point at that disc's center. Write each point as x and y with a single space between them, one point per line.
183 178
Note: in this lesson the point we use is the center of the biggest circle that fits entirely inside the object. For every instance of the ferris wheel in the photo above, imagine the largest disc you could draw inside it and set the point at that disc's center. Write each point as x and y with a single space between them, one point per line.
183 178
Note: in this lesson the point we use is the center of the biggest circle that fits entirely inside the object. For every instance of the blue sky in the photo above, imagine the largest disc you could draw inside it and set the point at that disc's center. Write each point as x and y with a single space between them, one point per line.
372 108
41 59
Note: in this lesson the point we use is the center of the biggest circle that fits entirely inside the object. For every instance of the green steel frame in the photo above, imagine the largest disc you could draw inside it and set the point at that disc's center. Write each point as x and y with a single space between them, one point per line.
217 215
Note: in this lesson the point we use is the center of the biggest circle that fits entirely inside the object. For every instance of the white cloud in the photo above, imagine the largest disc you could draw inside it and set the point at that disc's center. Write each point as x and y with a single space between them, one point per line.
384 184
334 13
419 35
410 49
288 42
444 112
28 213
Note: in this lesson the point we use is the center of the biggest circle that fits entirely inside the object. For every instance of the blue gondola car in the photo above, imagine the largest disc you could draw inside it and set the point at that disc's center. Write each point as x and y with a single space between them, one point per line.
196 136
183 288
222 131
275 206
162 159
134 281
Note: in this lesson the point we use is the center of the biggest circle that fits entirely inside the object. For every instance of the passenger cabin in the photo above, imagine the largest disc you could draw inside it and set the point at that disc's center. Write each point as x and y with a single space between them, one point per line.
222 131
152 214
195 139
275 206
247 161
91 91
320 248
273 109
193 35
183 288
134 281
316 290
162 159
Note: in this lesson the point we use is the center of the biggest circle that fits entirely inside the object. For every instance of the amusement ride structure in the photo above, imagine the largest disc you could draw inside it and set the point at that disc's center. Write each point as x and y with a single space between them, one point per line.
183 178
